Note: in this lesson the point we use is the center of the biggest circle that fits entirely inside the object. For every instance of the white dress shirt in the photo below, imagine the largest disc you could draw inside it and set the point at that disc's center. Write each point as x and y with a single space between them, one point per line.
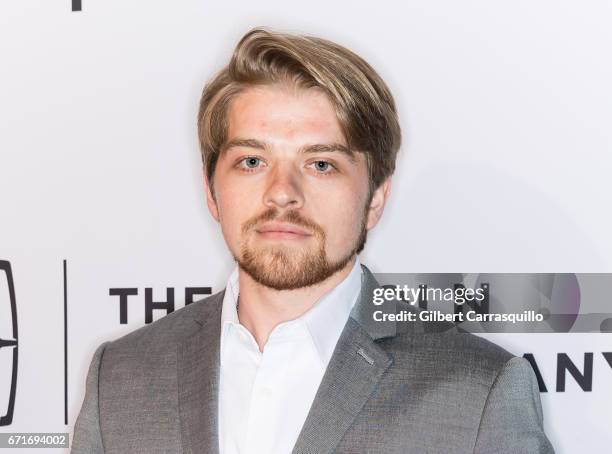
264 398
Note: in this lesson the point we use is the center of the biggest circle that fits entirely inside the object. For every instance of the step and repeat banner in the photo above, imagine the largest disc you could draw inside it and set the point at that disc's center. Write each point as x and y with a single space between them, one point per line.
505 168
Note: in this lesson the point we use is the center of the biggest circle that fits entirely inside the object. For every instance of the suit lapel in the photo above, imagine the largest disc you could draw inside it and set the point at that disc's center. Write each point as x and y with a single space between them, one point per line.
198 380
352 375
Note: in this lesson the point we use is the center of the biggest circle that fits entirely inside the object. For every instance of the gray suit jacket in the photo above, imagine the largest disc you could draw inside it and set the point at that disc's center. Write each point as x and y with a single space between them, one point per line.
388 389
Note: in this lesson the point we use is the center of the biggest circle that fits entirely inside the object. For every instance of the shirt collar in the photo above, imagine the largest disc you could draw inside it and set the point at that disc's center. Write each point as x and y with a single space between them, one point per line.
324 321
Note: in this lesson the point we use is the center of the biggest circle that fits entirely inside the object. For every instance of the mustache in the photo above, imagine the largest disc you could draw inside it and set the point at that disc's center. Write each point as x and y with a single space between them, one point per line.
291 217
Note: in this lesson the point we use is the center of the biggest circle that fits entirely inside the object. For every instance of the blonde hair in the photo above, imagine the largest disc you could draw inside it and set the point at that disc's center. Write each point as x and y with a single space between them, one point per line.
363 103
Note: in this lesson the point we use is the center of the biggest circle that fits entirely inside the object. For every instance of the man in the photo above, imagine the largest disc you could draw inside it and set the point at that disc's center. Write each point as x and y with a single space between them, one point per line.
299 138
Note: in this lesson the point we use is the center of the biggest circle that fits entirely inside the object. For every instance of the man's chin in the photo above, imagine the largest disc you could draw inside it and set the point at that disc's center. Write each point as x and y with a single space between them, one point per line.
277 269
277 280
284 253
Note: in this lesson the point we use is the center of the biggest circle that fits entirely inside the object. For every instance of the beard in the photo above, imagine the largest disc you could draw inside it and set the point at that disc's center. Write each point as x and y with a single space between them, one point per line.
284 267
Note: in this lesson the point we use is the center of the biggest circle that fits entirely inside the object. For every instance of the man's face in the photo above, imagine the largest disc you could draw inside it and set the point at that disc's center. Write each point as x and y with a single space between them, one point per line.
291 201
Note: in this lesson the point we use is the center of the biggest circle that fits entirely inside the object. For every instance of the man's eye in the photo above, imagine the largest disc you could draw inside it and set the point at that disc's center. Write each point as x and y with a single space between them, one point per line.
250 163
323 166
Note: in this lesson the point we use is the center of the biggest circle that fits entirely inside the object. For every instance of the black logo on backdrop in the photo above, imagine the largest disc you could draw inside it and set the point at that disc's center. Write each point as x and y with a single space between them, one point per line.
8 340
149 304
583 377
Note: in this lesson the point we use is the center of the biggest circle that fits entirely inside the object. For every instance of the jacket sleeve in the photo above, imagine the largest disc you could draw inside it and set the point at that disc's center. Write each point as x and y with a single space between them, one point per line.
87 438
512 419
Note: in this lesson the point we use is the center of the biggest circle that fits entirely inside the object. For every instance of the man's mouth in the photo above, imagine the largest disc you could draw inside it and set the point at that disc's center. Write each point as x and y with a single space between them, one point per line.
279 230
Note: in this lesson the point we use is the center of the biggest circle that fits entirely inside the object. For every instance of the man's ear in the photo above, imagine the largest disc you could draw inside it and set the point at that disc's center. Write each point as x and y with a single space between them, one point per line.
377 204
210 198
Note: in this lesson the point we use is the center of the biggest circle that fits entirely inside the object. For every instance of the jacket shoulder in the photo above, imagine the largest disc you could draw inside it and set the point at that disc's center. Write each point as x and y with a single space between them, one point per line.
170 329
448 352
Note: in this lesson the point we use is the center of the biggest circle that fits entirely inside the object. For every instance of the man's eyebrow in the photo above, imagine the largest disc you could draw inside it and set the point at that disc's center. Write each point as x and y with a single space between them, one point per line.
316 148
246 143
330 148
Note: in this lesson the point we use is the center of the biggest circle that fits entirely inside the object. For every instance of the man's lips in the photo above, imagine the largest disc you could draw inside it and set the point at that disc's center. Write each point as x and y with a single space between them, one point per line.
279 230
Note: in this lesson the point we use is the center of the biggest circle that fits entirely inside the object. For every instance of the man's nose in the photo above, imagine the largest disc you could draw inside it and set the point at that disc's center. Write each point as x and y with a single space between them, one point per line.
284 188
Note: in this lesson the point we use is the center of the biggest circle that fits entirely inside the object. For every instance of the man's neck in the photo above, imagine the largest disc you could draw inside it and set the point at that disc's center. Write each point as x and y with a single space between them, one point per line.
262 308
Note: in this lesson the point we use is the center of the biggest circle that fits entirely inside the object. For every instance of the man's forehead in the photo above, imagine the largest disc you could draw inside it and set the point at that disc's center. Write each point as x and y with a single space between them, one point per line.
276 116
287 113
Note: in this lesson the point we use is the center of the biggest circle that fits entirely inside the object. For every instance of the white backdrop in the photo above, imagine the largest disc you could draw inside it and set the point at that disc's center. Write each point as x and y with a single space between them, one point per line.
506 109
